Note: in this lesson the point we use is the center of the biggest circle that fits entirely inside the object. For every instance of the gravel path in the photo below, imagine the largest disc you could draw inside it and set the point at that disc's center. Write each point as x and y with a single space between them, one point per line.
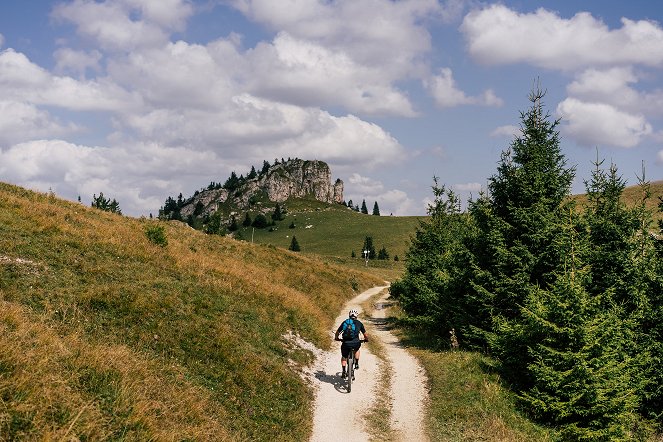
339 415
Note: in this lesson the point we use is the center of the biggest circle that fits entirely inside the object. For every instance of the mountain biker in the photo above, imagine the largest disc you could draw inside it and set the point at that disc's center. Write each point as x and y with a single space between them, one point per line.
350 340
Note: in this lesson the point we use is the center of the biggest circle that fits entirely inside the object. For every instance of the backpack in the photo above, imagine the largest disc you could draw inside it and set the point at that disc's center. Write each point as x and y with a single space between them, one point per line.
350 332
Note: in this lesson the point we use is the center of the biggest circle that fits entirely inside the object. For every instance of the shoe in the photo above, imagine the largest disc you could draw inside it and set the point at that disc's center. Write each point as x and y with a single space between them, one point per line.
357 365
344 375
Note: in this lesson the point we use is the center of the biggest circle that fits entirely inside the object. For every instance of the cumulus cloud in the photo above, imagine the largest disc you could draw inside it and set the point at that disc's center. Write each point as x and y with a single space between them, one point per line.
595 124
77 62
23 121
468 187
443 88
134 175
508 130
394 201
497 34
305 73
616 86
22 80
111 24
325 51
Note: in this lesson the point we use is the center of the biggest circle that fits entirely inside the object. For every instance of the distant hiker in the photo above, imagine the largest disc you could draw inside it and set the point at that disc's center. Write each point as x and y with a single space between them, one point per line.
349 333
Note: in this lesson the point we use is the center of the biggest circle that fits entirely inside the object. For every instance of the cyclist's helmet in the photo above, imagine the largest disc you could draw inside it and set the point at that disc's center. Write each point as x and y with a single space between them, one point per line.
353 313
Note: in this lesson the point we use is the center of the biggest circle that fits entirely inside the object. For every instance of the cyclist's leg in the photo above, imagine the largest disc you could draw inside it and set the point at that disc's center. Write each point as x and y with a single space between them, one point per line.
345 350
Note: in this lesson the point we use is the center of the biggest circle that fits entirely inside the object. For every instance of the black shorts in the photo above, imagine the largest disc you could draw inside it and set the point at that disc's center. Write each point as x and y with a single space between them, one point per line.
346 346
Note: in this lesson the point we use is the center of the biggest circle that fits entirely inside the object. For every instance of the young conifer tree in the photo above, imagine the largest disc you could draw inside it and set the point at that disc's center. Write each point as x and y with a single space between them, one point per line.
376 209
294 245
519 225
580 371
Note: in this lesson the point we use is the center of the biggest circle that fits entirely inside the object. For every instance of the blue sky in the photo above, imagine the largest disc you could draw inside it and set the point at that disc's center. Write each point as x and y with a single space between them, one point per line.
144 99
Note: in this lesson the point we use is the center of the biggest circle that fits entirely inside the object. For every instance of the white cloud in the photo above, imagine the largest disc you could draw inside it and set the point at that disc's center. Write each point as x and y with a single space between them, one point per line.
498 35
508 130
396 202
615 86
468 187
373 32
78 62
305 73
327 52
22 121
595 124
443 88
364 185
22 80
113 26
134 175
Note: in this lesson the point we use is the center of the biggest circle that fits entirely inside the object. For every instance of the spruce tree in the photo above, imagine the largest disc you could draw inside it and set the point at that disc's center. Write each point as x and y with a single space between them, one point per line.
383 254
368 246
294 245
579 369
376 209
433 290
364 209
517 247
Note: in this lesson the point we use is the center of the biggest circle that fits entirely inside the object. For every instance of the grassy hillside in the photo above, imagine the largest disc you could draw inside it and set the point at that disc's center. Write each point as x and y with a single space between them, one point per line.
632 197
335 231
106 335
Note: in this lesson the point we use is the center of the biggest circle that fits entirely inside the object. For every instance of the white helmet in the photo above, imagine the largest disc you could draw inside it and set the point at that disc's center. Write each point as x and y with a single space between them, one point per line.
353 313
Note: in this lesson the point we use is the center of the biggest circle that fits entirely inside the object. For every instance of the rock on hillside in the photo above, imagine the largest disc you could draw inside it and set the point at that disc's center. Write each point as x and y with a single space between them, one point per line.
293 178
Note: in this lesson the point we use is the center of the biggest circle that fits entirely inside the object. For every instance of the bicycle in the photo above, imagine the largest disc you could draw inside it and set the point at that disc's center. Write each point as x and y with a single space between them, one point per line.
351 366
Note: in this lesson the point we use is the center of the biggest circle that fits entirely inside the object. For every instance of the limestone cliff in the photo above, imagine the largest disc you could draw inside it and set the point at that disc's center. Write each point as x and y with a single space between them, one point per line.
290 179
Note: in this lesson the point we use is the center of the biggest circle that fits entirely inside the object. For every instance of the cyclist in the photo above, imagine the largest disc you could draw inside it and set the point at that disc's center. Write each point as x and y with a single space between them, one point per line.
350 339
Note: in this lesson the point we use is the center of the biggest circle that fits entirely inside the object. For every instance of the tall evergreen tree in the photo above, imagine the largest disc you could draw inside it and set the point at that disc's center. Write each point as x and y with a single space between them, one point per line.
376 209
368 246
364 209
517 247
433 290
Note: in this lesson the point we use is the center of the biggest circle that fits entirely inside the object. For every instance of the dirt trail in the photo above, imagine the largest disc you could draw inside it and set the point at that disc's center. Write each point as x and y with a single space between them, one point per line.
339 415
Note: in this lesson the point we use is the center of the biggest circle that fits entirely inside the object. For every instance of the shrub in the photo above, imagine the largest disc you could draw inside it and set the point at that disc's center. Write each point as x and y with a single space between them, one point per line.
156 235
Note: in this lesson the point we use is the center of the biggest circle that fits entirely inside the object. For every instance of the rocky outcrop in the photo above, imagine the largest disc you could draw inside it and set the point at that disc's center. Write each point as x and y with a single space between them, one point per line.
290 179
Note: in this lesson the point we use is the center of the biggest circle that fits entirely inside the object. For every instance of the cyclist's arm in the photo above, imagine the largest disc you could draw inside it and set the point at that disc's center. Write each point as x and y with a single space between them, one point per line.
363 332
338 332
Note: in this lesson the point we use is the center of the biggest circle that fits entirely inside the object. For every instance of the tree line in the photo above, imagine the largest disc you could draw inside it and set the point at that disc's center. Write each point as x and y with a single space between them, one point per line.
566 297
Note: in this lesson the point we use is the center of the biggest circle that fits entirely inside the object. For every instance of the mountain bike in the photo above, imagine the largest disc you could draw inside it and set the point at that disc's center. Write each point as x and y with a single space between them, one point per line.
351 367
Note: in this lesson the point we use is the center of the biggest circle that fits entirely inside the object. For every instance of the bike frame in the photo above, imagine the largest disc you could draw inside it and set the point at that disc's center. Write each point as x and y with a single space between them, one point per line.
351 368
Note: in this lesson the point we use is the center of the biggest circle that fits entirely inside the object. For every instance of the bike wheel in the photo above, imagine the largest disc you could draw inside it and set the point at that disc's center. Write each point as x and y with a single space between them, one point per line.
351 369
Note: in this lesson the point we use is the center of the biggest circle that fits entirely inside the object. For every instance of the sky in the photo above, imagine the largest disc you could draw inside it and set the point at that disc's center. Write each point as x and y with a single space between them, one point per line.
145 99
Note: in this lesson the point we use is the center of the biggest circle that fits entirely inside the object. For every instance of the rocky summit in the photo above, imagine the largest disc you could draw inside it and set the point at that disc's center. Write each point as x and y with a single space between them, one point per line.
290 179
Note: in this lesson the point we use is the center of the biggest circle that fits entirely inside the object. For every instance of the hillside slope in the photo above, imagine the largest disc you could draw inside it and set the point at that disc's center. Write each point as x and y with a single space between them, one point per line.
107 335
